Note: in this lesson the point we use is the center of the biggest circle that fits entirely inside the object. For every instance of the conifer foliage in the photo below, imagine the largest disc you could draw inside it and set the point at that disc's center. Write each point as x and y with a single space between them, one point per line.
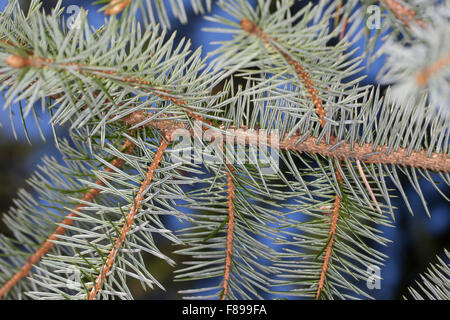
305 220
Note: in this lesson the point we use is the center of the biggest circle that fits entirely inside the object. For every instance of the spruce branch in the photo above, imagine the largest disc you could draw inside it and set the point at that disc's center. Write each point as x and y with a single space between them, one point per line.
404 14
421 67
230 233
111 76
304 76
366 183
439 162
86 244
116 7
434 283
89 196
337 143
279 55
331 238
251 28
156 12
128 223
423 76
368 154
20 62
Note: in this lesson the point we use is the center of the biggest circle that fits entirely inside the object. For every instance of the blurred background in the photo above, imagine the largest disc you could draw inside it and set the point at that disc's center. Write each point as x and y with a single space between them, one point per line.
416 239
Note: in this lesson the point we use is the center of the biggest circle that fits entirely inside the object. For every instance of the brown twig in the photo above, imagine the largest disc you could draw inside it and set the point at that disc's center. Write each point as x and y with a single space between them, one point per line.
343 150
128 223
230 233
331 237
405 15
366 183
423 77
304 76
19 62
417 159
250 27
116 7
366 152
61 229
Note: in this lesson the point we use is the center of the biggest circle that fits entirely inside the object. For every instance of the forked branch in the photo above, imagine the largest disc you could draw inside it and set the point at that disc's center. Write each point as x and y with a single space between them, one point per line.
366 152
250 27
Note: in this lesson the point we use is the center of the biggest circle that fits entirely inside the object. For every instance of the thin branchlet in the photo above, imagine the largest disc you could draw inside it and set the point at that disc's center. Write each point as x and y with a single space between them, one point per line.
404 14
360 152
230 233
331 239
20 62
423 77
304 76
129 220
89 196
418 159
250 27
116 7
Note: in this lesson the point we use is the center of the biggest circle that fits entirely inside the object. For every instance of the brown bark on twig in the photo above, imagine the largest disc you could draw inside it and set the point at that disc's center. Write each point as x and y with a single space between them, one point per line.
423 77
128 223
116 7
61 229
405 15
230 234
